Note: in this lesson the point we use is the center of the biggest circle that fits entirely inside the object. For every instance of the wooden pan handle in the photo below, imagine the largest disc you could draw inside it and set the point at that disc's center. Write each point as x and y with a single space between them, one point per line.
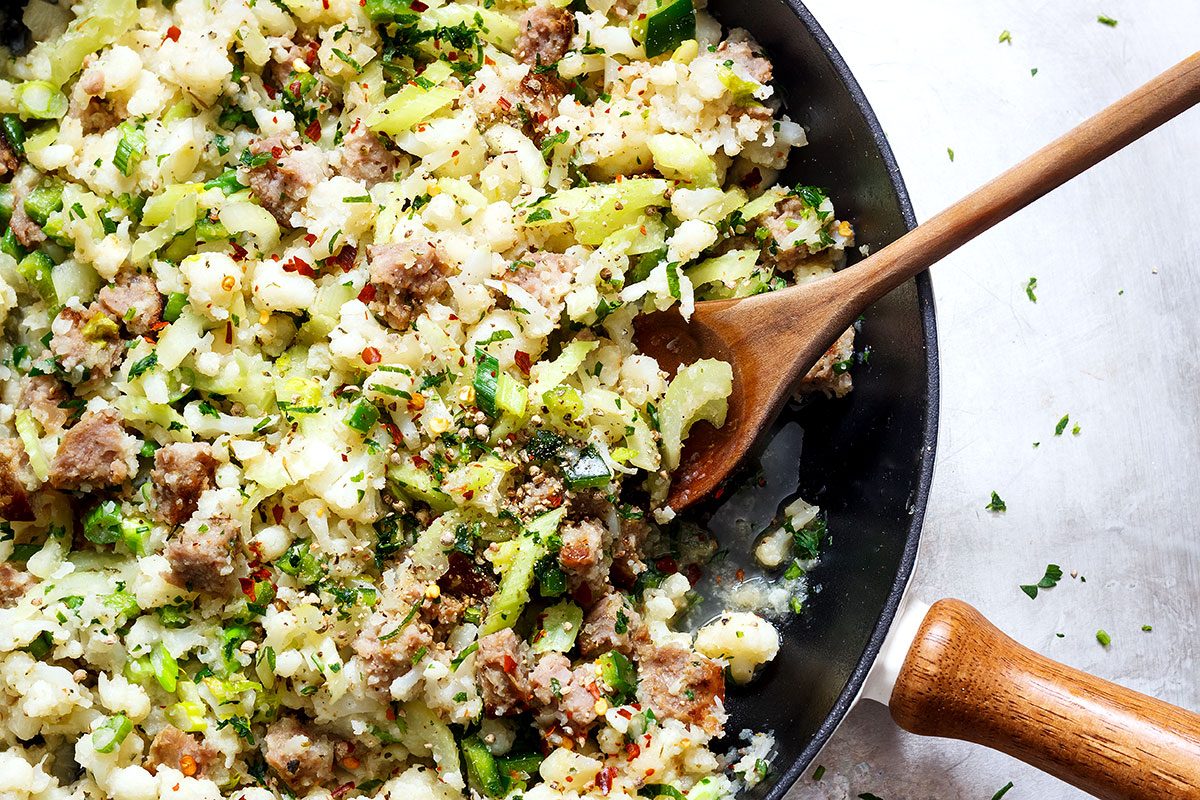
964 679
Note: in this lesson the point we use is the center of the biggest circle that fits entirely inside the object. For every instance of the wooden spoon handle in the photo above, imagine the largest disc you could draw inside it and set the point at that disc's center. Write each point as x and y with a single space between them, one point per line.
964 679
1126 121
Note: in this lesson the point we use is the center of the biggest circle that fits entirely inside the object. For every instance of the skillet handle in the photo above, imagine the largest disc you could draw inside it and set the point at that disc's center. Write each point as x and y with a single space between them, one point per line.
964 679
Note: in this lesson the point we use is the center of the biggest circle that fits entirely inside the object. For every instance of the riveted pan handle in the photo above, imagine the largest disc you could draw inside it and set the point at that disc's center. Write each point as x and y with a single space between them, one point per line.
964 679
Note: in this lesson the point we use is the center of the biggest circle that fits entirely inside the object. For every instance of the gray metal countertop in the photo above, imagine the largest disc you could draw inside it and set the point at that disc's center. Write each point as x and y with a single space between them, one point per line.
1111 341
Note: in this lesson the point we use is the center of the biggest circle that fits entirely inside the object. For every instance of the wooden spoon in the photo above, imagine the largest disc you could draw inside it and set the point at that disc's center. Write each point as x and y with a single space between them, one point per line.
774 339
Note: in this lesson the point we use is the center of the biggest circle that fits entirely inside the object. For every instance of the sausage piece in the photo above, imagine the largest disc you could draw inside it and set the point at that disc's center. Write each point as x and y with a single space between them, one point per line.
182 472
95 452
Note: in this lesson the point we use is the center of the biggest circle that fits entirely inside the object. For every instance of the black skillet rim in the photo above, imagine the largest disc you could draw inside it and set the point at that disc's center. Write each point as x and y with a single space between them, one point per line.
927 312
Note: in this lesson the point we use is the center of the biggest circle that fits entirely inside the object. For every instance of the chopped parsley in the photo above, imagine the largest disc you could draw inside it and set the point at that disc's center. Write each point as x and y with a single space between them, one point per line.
996 503
1147 628
1005 37
819 772
1053 575
950 152
1062 425
1103 638
1003 791
1029 289
1104 19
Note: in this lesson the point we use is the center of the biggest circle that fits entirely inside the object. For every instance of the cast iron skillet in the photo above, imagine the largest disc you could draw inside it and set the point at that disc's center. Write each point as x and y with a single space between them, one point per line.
867 458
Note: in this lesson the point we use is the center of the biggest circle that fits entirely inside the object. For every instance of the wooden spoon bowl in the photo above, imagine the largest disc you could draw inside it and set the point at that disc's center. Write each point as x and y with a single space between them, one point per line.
772 340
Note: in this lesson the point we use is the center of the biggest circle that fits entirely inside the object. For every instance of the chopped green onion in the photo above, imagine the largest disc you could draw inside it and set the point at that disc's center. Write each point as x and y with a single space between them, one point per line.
40 100
487 371
109 735
14 132
165 667
227 182
618 674
102 525
187 716
131 148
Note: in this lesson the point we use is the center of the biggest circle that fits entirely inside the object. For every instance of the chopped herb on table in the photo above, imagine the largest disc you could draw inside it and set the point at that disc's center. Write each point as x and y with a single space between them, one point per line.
1033 72
1106 20
1029 289
950 152
819 772
1062 425
1003 791
1005 38
1053 575
996 504
1103 638
1147 628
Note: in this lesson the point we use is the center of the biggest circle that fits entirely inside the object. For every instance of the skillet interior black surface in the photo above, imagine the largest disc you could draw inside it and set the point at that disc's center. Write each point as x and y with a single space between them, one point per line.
868 458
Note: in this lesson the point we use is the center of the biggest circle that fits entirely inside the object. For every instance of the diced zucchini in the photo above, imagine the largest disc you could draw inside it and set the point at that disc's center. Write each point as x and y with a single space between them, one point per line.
589 471
617 673
560 627
700 391
669 26
680 158
482 771
513 593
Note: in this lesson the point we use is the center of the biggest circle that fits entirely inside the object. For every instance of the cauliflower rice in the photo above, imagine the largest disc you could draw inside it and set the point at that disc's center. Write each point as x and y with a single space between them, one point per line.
328 465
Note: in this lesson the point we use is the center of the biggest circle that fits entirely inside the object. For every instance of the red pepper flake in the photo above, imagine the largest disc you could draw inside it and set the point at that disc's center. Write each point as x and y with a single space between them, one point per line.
510 664
239 252
173 34
270 90
247 585
277 514
313 131
393 431
503 103
310 239
314 48
753 178
344 258
371 356
694 573
555 500
454 154
299 266
667 565
277 152
627 714
391 712
604 779
468 494
158 326
524 363
419 462
632 749
261 574
325 4
368 293
228 333
489 61
418 6
348 786
294 88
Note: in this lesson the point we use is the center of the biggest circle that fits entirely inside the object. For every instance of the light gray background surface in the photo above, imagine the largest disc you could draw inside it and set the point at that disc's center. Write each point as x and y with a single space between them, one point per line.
1120 502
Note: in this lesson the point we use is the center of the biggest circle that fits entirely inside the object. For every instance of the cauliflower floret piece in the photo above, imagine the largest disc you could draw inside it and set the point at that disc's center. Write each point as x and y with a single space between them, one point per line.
276 289
746 641
214 280
337 204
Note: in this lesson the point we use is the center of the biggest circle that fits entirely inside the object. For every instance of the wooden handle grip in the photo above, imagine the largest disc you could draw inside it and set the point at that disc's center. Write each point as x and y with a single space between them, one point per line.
964 679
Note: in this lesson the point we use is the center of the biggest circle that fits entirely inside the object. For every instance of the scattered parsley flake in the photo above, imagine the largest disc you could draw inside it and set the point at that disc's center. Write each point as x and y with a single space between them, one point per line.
996 504
1029 289
1147 628
819 772
1062 425
1103 638
950 152
1104 19
1076 430
1033 72
1003 791
1005 38
1053 575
